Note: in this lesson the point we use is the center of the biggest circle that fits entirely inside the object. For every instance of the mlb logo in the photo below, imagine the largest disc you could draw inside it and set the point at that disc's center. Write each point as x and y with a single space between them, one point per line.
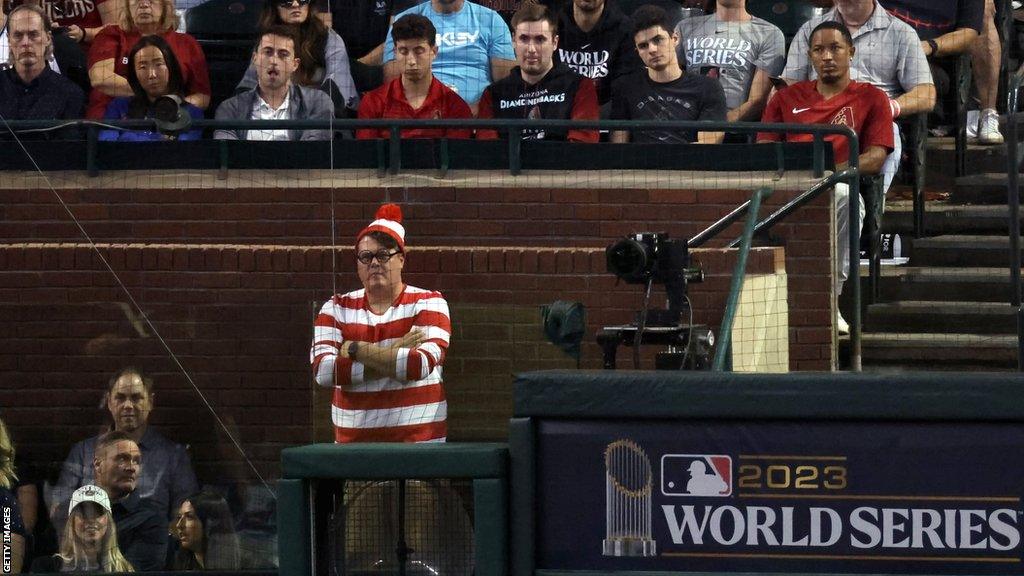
696 475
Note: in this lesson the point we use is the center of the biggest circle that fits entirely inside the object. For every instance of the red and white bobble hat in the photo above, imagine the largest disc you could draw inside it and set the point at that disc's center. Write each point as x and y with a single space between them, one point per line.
388 220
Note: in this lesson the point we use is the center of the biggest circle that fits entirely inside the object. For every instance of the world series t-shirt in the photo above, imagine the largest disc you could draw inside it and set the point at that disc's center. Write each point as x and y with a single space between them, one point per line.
731 52
689 97
466 42
862 107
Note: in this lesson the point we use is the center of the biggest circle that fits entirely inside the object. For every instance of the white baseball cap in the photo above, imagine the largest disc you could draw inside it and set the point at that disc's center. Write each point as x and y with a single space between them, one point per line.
89 493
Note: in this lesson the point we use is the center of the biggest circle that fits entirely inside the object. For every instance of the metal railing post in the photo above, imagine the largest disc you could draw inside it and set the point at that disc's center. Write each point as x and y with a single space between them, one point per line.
1013 203
91 137
395 149
515 146
854 206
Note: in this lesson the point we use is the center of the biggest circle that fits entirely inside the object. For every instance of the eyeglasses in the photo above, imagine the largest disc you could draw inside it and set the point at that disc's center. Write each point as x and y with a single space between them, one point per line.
366 257
288 3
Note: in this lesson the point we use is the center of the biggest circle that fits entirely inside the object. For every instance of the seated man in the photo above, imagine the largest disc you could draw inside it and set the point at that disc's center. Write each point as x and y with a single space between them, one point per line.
474 47
889 56
141 527
664 91
538 88
836 99
594 40
31 90
743 51
275 96
416 94
168 477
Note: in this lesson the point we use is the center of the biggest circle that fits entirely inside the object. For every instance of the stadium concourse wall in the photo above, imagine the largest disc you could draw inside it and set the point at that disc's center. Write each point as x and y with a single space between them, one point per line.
231 272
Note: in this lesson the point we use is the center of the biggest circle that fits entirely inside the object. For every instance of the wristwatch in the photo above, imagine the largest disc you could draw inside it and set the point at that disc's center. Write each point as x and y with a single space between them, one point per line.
934 46
353 347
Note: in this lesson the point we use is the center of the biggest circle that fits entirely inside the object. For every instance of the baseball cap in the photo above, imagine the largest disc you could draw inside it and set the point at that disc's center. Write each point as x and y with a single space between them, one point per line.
89 493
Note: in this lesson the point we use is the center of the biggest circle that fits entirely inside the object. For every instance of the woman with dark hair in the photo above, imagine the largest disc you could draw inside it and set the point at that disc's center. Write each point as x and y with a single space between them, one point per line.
153 72
323 59
206 535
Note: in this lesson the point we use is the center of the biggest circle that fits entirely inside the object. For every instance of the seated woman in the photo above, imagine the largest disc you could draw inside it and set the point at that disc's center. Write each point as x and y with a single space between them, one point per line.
108 62
153 71
323 60
206 535
90 538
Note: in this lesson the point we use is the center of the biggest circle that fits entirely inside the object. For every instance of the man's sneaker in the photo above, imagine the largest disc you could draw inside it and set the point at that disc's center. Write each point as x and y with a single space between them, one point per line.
988 128
972 124
841 326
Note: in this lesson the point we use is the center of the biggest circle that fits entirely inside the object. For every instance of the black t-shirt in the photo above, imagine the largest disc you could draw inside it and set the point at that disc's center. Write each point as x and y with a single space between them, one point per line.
689 97
603 54
363 24
931 18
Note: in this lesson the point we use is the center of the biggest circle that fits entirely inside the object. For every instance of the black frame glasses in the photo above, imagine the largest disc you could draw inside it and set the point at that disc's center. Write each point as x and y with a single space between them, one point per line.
381 256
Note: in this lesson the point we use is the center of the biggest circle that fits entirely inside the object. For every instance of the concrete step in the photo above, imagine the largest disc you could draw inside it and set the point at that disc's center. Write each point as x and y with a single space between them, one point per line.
961 250
921 316
934 283
947 218
939 351
941 160
981 188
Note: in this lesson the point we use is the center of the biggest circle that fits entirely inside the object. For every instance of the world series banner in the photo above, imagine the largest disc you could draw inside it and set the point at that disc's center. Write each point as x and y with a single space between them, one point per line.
915 498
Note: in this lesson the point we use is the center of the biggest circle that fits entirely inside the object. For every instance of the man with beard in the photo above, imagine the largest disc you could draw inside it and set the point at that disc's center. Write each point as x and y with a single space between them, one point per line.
594 40
167 478
275 96
538 88
31 90
836 99
416 94
664 91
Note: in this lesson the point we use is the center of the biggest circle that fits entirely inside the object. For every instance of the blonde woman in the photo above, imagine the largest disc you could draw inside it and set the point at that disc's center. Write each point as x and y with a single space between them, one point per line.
90 538
108 62
8 502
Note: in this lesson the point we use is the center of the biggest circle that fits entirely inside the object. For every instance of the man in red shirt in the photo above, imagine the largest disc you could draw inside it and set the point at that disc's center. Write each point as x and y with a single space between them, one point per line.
416 94
836 99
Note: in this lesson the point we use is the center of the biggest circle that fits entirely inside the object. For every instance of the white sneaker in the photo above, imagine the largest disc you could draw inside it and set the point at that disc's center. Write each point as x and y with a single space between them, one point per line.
841 326
972 124
988 128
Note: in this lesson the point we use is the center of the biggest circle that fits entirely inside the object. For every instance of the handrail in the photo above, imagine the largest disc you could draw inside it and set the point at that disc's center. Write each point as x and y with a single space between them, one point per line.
732 300
1013 161
394 126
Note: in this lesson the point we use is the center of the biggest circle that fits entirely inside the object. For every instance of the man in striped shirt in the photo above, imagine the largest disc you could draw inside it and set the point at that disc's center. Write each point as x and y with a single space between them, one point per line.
382 347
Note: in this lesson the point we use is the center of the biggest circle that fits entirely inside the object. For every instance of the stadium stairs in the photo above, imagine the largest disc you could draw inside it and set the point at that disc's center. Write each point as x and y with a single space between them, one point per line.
948 307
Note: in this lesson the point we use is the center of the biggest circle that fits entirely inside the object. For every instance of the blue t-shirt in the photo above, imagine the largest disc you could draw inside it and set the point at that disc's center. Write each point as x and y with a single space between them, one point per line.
466 42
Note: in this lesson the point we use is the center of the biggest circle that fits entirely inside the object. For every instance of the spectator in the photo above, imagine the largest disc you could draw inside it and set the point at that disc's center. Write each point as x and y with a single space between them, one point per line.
538 88
382 347
206 535
108 57
323 59
82 20
31 90
8 502
664 91
594 40
167 478
889 57
67 57
836 99
474 48
986 55
90 538
275 96
153 73
416 93
946 28
744 52
364 25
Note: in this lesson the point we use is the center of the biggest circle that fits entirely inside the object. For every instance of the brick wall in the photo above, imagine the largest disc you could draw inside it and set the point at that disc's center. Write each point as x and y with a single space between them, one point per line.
239 319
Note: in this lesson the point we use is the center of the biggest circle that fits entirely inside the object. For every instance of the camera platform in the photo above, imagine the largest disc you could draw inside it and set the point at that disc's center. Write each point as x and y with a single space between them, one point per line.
687 343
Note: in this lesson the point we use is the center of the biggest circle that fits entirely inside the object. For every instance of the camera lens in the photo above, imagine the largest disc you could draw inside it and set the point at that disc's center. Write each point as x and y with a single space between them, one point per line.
630 260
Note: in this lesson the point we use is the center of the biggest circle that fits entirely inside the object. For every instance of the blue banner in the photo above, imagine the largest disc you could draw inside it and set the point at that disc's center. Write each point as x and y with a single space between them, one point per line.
915 498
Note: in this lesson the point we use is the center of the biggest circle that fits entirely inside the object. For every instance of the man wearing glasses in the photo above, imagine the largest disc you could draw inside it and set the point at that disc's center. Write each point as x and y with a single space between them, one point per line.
382 347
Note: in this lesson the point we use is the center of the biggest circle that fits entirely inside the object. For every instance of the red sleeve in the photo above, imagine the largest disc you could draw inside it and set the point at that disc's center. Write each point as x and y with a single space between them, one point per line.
456 108
369 107
584 107
485 111
199 80
877 122
772 114
106 45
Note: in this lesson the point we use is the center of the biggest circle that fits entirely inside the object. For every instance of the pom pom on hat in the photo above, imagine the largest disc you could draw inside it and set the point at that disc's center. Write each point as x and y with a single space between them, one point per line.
388 220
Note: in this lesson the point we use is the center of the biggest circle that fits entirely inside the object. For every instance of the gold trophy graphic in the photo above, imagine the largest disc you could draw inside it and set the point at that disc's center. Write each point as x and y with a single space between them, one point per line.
628 480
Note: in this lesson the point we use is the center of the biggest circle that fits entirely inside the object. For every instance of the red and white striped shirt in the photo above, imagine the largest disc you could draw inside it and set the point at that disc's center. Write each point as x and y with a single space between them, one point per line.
410 407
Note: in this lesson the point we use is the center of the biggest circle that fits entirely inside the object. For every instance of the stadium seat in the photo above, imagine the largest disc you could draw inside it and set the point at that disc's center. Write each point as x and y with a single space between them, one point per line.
226 30
788 15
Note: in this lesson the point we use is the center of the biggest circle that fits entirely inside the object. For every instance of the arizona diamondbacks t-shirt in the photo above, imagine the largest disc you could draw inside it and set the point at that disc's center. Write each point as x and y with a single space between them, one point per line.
731 52
689 97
